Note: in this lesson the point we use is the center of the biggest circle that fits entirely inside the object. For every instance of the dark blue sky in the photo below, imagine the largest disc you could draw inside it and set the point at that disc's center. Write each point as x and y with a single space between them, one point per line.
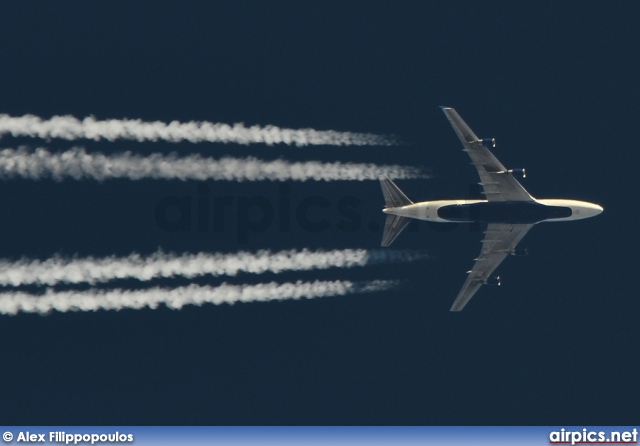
554 82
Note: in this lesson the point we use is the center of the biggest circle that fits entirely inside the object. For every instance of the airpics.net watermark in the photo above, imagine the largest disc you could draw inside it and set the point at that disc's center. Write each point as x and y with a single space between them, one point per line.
253 214
62 437
589 436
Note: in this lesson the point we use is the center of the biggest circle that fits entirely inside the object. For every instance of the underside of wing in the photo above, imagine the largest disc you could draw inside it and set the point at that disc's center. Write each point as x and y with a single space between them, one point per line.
500 240
496 180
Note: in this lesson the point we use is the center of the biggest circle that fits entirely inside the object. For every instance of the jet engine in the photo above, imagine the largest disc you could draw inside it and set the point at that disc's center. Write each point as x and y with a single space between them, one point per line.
489 142
519 252
495 280
520 172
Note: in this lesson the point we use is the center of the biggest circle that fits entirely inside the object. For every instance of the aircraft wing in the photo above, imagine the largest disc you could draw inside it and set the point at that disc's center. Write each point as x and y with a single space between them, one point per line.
497 184
499 240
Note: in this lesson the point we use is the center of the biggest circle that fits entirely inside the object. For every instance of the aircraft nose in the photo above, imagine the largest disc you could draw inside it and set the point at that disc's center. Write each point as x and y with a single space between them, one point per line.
594 209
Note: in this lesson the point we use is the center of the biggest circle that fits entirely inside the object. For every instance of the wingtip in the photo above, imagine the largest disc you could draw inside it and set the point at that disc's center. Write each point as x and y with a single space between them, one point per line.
444 107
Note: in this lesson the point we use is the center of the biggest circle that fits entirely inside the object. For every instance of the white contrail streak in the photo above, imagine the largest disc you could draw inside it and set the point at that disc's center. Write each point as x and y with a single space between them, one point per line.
161 265
78 164
12 303
70 128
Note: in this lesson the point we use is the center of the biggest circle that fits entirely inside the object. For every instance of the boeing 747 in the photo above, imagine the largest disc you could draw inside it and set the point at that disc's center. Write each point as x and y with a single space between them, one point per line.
508 210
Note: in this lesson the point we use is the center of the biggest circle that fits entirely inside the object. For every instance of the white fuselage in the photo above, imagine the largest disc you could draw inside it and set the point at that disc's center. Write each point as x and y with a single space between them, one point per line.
449 211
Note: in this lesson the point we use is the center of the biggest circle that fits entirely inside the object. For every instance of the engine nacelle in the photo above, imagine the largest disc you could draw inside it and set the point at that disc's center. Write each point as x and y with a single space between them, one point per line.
519 172
489 142
495 280
519 252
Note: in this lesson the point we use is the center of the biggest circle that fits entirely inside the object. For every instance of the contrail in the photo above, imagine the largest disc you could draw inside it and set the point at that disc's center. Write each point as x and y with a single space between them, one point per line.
71 128
12 303
161 265
78 164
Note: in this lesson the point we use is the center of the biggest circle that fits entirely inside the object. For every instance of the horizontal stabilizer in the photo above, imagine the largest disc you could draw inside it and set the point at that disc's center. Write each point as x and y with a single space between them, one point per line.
393 227
393 196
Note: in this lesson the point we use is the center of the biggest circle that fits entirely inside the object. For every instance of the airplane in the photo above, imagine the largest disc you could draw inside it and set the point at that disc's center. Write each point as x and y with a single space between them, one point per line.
508 210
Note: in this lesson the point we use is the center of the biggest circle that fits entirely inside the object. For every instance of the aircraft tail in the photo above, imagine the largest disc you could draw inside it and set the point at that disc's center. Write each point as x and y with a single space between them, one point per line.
393 198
